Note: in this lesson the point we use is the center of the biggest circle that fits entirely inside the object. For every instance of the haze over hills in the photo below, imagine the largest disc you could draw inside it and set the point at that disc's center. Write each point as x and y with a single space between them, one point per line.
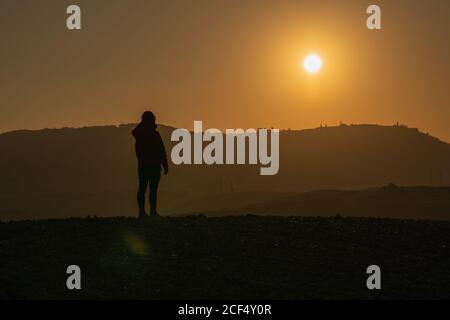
389 201
92 170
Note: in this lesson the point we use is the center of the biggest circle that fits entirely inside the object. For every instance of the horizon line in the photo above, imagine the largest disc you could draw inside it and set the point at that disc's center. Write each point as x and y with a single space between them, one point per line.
321 126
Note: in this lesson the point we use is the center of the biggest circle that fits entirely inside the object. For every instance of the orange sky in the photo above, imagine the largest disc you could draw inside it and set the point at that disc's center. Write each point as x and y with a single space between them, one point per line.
228 63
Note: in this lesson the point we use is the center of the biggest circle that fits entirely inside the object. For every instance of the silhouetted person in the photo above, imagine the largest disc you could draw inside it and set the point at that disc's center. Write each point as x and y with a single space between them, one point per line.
151 154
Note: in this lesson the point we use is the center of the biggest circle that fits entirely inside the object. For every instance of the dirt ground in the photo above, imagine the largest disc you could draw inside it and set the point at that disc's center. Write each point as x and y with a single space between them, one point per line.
245 257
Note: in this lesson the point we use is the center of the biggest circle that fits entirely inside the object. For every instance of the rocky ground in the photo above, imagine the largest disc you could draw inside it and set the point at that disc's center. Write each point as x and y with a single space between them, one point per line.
228 257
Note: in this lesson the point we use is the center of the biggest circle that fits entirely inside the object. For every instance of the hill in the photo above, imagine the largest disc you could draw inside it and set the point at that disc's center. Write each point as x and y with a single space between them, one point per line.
74 172
389 201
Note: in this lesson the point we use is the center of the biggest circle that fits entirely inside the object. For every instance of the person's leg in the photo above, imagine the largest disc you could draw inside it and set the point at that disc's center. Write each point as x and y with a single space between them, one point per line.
143 182
155 176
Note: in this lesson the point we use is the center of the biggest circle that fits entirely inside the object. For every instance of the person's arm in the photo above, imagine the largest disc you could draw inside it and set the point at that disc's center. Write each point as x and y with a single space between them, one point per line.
136 130
163 155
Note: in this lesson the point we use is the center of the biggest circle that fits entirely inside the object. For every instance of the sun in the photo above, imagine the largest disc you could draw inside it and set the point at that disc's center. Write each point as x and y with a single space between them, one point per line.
312 63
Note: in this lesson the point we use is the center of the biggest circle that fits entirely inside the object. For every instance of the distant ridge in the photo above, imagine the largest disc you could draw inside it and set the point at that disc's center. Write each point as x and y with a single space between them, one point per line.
390 201
92 170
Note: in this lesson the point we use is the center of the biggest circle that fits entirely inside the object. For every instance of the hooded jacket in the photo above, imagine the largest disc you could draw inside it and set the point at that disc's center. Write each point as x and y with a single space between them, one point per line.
149 146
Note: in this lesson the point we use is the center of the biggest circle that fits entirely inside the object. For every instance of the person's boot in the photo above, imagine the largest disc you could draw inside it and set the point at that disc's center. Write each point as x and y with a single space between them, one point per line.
153 213
142 215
